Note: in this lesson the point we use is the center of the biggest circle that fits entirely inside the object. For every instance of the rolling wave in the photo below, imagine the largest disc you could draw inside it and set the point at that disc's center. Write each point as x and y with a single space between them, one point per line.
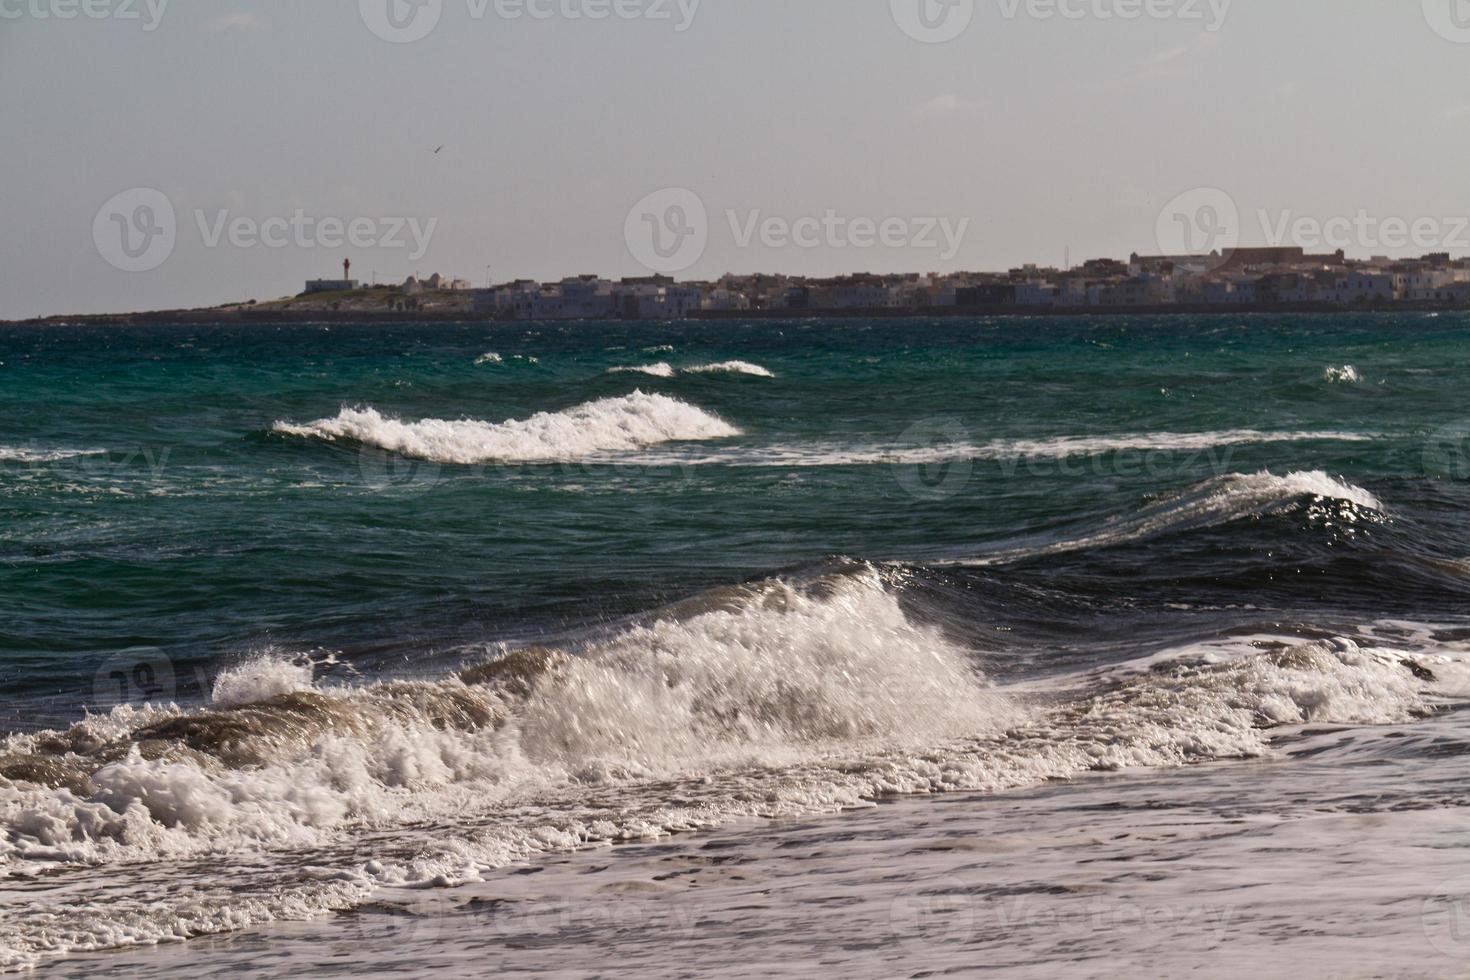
772 699
1209 504
608 426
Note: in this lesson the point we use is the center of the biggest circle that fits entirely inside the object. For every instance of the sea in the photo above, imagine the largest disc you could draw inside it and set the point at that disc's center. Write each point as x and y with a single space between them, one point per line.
1060 647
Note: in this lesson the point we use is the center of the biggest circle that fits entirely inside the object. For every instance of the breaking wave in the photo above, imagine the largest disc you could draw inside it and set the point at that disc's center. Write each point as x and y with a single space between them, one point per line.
610 425
773 699
1346 374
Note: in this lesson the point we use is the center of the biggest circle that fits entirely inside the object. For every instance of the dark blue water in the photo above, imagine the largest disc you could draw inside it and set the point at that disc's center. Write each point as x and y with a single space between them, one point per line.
199 532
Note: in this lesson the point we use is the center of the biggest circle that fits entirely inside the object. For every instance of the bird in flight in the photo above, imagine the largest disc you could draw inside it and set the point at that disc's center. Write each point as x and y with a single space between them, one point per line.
438 148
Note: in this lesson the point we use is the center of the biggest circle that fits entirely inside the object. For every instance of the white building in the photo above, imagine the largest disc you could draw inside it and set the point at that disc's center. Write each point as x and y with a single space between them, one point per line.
726 300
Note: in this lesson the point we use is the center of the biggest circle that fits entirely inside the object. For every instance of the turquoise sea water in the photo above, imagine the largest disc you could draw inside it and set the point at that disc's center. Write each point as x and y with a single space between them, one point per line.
1032 499
199 532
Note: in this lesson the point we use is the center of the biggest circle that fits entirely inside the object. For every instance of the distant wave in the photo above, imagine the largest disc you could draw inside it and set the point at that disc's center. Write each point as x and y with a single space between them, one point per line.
731 367
1346 374
611 425
665 370
659 370
1003 450
15 454
491 358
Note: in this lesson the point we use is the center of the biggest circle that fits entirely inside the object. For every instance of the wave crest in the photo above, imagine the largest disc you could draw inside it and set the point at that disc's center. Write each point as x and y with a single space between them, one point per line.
732 367
1212 503
659 370
610 425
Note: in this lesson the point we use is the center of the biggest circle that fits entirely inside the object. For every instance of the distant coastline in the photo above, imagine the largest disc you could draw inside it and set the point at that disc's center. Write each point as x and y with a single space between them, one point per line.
216 318
1274 280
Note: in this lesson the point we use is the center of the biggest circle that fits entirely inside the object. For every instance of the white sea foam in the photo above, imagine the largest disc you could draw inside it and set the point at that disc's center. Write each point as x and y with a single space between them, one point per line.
491 358
665 370
1005 451
659 370
769 700
1346 374
261 679
20 454
608 426
732 367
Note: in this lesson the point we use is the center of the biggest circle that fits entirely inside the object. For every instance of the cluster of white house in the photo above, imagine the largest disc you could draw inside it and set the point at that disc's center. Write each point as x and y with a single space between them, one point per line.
1244 277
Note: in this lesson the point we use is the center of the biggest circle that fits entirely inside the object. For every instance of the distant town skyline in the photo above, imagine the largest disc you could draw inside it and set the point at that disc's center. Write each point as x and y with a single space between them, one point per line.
447 134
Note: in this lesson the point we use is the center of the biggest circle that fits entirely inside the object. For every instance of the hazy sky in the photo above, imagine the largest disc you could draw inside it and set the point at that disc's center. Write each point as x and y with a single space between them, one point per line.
1041 132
